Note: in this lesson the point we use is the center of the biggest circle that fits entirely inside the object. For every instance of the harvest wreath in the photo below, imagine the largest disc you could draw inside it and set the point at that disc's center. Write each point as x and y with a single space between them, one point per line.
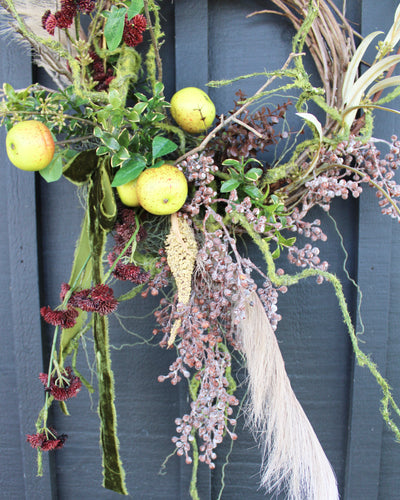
175 194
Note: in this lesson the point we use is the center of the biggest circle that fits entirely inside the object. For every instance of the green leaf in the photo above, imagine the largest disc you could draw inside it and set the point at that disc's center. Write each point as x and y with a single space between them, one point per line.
253 192
54 170
135 7
124 138
158 163
97 132
276 253
229 185
114 27
286 242
155 117
133 115
119 157
140 107
9 91
115 98
128 172
117 117
141 97
110 141
102 150
253 174
158 88
162 146
231 162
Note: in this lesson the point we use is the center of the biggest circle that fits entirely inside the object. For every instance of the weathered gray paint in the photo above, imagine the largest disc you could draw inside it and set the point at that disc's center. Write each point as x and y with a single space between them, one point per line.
20 324
39 226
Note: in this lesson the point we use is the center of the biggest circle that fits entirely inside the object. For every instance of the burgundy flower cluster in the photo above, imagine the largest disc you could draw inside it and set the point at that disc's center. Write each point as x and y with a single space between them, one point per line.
63 387
66 318
100 73
133 30
125 228
64 17
46 441
99 299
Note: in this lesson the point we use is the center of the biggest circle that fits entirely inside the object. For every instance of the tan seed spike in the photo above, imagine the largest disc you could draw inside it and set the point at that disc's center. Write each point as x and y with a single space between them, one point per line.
181 249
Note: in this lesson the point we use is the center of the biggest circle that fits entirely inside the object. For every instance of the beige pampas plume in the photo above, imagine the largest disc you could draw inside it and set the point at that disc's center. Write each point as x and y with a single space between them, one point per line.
293 458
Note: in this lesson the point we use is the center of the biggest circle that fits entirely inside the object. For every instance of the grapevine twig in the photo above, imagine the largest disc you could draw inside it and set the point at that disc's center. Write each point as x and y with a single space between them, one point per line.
234 116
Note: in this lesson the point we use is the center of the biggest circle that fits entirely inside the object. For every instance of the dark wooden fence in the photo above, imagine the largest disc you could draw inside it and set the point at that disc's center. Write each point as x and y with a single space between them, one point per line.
39 226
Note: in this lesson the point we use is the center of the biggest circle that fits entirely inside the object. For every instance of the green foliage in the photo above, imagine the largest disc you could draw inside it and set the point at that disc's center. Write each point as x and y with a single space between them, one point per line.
242 179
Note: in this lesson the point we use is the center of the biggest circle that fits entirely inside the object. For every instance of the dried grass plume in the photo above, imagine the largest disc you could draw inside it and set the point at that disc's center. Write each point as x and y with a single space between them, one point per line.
293 459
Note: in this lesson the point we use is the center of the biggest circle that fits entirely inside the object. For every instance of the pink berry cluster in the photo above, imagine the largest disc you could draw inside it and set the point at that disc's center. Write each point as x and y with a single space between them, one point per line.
207 327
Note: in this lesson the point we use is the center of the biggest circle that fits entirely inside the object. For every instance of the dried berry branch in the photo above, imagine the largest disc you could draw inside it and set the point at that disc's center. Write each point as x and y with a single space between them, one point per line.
237 113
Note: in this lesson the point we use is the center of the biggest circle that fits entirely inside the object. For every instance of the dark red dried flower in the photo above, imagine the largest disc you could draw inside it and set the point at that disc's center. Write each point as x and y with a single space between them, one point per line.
49 22
98 299
62 388
46 442
130 272
65 288
103 299
133 30
124 229
86 6
65 318
100 73
139 22
45 17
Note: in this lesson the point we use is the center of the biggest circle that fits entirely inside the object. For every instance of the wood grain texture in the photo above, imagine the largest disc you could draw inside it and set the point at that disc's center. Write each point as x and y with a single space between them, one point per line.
21 350
377 268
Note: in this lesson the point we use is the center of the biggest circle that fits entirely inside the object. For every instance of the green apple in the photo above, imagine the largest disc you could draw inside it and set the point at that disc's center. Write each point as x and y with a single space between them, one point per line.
128 194
30 145
192 110
162 190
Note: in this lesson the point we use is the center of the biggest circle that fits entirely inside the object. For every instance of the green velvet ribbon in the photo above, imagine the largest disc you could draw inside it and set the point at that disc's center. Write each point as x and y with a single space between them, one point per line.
87 270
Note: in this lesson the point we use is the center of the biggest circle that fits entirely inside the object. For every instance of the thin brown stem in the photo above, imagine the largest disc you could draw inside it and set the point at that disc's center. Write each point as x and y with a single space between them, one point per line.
234 116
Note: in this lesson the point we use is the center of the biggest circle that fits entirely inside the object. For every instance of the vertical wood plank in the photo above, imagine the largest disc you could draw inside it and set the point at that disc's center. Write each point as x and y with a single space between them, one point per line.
374 276
24 352
191 43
